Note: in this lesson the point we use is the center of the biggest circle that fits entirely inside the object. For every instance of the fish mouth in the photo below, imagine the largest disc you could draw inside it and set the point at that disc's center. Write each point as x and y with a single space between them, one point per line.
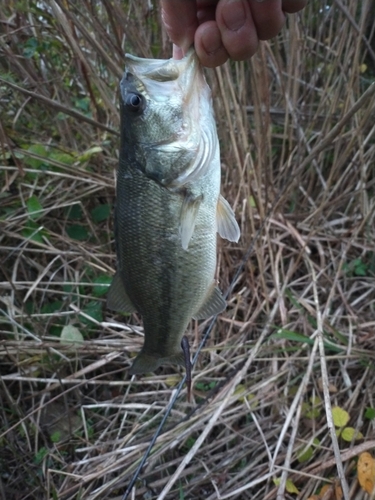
161 70
160 77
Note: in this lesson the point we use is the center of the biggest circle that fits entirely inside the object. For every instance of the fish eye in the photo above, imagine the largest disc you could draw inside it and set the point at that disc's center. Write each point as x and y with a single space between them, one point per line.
134 102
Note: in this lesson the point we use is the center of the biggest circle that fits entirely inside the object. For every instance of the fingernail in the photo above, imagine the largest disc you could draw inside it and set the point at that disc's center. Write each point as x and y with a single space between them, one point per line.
234 15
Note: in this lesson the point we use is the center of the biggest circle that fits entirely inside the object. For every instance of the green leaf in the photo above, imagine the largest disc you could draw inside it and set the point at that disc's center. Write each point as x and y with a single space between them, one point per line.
340 416
190 442
312 413
349 434
30 47
100 213
102 284
70 334
74 212
288 335
315 400
55 437
172 380
39 150
370 413
41 454
181 491
305 454
52 307
29 307
84 105
252 202
94 310
89 152
311 410
201 386
289 486
297 337
33 231
240 392
65 158
34 207
77 232
360 268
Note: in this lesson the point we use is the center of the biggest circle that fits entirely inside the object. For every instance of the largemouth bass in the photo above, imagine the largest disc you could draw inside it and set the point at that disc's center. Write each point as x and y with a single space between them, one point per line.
168 207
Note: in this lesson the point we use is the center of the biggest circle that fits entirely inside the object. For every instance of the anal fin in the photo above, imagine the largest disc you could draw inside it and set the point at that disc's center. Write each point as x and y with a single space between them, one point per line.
214 304
117 298
227 225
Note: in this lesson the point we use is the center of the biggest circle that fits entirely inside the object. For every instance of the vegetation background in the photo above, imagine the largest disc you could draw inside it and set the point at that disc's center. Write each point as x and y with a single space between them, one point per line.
297 131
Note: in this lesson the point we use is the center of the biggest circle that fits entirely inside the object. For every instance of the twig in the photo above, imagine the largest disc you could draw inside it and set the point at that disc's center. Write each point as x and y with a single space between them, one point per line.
327 398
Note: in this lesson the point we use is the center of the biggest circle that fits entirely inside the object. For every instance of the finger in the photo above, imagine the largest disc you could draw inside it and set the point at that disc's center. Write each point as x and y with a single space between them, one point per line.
268 17
209 46
206 10
237 28
292 6
177 52
180 20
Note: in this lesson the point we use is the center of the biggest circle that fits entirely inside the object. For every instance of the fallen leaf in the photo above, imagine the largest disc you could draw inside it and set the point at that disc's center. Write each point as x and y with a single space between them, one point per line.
366 472
172 380
338 491
329 492
326 492
289 486
331 387
349 433
305 454
340 416
70 334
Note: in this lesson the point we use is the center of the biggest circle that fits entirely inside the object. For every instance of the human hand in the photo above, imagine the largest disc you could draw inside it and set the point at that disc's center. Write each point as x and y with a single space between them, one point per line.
223 29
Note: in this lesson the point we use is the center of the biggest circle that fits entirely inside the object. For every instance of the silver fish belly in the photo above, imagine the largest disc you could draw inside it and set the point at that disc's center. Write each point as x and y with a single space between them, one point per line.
168 207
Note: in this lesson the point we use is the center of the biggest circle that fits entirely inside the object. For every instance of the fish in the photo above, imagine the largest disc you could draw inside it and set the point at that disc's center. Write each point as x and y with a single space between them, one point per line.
168 207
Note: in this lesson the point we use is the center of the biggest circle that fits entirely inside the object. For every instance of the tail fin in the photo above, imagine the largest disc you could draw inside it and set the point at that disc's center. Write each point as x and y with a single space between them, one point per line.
145 363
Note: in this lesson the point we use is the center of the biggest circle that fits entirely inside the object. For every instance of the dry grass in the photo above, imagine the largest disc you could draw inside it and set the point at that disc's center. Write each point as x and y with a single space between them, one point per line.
298 150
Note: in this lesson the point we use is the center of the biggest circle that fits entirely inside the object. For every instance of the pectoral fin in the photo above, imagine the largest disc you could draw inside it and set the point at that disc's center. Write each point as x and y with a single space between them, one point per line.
227 225
189 212
213 304
117 298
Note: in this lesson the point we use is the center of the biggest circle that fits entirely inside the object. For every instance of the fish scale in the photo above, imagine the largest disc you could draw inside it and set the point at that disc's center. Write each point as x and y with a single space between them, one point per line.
168 207
166 283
